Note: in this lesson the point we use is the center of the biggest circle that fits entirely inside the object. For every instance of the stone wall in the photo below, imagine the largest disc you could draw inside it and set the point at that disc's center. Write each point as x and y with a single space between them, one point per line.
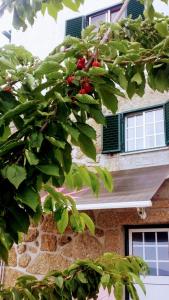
44 249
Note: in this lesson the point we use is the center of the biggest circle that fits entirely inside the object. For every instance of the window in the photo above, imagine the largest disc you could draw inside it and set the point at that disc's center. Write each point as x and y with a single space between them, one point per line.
153 247
137 130
104 16
97 19
74 26
144 130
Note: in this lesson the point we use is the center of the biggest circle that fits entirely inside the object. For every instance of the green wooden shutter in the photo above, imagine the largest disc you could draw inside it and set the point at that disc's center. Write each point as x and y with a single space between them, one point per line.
166 108
112 134
135 9
75 26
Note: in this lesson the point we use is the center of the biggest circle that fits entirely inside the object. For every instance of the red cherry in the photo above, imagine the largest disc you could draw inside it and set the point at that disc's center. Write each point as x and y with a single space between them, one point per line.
70 79
96 64
82 91
81 63
7 89
88 87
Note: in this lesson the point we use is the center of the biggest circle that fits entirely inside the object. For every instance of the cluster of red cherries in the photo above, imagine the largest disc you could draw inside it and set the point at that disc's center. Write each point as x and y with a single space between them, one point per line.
86 86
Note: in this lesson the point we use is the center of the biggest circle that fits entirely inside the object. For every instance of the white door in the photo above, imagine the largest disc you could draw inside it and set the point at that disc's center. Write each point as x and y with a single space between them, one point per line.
153 246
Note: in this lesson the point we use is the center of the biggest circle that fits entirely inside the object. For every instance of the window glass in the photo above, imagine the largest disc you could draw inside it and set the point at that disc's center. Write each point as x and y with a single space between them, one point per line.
149 117
163 253
139 120
130 122
137 238
139 132
150 141
149 238
138 251
131 133
149 129
97 19
145 129
160 140
152 268
113 15
162 238
150 253
139 144
131 145
159 126
163 268
159 115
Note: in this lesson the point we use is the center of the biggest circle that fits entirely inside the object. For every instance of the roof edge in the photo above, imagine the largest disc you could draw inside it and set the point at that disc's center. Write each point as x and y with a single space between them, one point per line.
133 204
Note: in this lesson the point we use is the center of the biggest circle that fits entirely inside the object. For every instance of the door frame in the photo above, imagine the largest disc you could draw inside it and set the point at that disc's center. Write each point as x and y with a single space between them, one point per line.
135 227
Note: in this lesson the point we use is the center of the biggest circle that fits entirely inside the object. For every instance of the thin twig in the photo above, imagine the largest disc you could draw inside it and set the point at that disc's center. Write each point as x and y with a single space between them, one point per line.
139 61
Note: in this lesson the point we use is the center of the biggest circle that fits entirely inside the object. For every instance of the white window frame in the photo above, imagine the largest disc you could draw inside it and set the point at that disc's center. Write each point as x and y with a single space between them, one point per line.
143 230
143 113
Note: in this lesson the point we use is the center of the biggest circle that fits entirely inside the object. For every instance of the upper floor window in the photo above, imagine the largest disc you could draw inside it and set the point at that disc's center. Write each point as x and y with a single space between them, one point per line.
144 130
74 26
137 130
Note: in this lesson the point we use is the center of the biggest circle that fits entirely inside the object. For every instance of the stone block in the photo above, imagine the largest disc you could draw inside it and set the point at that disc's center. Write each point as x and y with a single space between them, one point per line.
32 249
24 260
83 246
48 224
46 262
10 276
48 242
64 239
31 235
21 248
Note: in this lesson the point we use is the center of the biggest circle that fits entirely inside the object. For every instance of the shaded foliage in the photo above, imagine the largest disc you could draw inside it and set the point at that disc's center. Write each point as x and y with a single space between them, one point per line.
82 280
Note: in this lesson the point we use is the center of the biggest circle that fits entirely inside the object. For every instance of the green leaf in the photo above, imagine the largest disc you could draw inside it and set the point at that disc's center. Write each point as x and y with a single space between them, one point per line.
74 132
105 280
138 281
95 184
97 115
71 4
97 71
118 290
89 223
87 146
6 134
49 204
29 197
106 177
36 140
50 169
87 99
75 222
137 78
15 174
87 130
108 97
31 157
59 281
29 294
162 28
56 143
82 278
63 222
